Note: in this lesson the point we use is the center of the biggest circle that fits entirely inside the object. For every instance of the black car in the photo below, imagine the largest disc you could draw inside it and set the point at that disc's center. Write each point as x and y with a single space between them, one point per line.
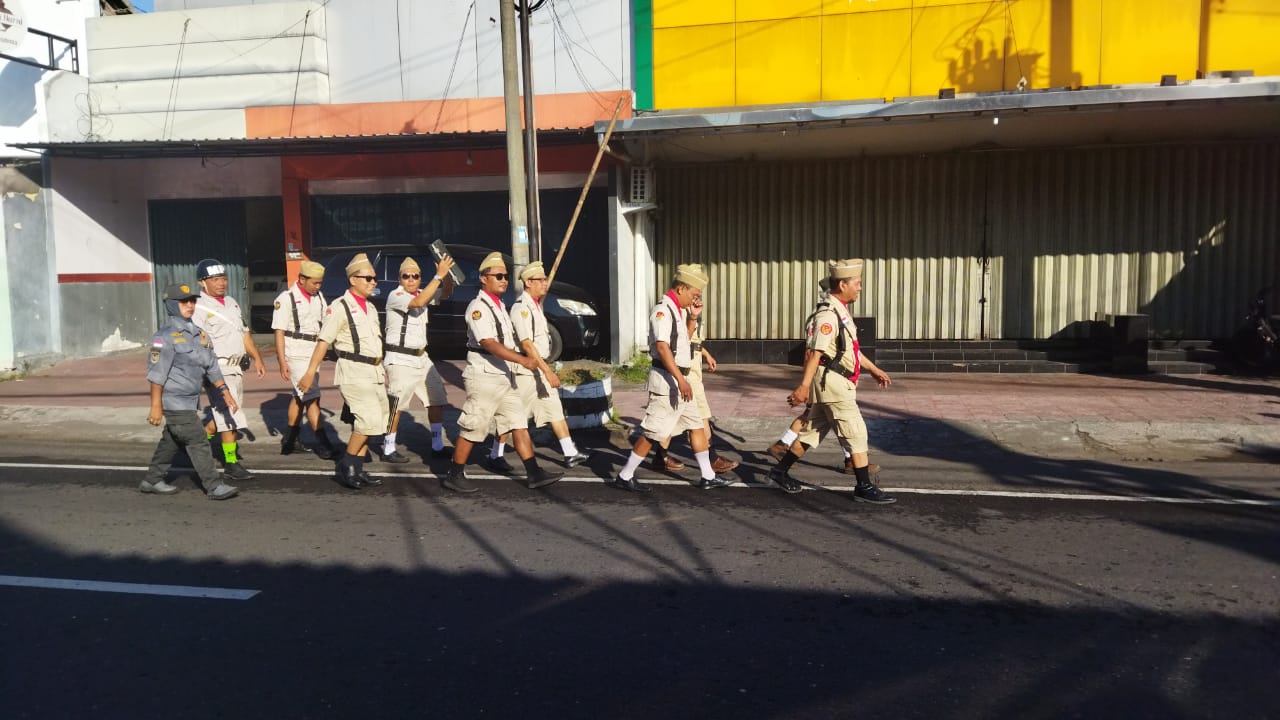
572 318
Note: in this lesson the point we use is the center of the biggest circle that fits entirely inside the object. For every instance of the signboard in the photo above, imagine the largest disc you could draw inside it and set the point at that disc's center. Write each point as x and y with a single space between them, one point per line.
13 25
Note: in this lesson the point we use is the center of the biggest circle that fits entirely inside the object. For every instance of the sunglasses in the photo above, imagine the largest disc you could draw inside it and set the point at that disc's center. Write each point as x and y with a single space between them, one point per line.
497 276
366 278
406 276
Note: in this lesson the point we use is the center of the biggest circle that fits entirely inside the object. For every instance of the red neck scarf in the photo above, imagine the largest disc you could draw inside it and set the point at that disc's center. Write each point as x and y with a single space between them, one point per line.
676 301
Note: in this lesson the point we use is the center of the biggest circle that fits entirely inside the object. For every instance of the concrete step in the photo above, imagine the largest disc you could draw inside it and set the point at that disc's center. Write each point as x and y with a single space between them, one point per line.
1183 368
990 366
1190 354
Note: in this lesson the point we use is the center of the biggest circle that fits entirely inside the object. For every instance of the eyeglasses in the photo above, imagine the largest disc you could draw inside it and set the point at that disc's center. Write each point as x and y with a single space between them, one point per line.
187 301
366 278
497 276
410 277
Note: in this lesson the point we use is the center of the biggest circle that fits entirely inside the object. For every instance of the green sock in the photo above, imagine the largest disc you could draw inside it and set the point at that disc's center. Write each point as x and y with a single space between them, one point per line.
229 452
208 436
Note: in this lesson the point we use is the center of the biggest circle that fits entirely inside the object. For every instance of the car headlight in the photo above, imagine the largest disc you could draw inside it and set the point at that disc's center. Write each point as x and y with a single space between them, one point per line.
577 307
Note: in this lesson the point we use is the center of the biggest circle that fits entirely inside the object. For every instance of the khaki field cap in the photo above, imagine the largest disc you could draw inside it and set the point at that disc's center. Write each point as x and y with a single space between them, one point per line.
313 270
409 265
692 275
492 260
533 271
841 269
359 264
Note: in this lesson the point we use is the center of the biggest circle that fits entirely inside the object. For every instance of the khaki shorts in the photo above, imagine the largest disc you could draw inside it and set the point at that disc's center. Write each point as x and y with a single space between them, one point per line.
699 395
223 421
843 417
493 402
543 400
297 367
405 383
368 402
667 415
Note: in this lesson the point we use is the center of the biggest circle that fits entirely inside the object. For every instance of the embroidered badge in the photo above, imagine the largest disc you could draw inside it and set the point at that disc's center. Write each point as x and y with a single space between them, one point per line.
155 356
524 313
476 315
328 311
660 315
179 340
277 304
158 343
826 328
184 288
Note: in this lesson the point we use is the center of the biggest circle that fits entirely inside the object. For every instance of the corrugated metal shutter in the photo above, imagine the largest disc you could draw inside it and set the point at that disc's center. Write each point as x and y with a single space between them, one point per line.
184 232
1182 233
765 231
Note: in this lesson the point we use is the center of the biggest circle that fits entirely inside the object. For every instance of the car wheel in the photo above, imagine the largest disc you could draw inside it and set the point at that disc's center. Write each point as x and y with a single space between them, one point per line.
557 343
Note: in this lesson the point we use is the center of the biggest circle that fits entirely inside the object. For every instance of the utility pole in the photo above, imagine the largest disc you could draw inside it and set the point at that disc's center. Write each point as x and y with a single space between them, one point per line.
515 138
530 131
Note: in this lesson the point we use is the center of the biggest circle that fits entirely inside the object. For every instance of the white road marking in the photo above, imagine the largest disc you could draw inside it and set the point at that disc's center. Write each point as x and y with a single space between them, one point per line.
131 588
1047 495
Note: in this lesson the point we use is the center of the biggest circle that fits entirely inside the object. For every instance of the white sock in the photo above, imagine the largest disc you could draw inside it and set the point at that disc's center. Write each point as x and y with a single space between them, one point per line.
389 444
567 447
704 463
788 437
497 450
437 436
628 471
846 452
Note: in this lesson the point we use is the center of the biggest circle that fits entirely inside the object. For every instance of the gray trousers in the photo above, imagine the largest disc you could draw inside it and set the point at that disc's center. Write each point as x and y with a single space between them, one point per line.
184 431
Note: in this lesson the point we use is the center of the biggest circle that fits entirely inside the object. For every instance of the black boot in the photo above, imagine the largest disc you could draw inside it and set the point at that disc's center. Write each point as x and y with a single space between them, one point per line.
289 444
345 474
456 480
867 492
365 478
536 477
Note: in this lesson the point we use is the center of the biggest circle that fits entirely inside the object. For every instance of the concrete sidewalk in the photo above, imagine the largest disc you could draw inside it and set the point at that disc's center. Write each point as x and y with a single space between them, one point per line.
944 416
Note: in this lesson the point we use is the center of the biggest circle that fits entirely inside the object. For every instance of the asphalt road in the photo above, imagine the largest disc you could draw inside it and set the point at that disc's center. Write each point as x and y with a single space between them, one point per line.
583 602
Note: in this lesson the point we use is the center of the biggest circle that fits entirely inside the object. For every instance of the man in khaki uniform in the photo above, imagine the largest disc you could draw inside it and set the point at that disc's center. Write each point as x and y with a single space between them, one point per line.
493 399
538 389
410 372
299 312
671 408
220 318
833 347
351 327
697 337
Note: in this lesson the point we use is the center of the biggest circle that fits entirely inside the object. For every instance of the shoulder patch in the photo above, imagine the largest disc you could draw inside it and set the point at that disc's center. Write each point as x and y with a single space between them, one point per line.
277 304
476 315
328 311
660 315
157 343
826 328
154 357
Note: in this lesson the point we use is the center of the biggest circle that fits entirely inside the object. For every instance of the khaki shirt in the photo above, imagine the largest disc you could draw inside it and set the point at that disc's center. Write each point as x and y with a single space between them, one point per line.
530 323
661 318
406 327
487 319
337 331
831 319
224 324
297 312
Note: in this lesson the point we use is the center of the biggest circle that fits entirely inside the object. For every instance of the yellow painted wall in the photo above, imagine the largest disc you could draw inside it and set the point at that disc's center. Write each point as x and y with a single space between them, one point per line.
747 52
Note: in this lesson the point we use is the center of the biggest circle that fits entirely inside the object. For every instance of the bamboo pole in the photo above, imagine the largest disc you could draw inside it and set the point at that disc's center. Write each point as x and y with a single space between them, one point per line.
591 176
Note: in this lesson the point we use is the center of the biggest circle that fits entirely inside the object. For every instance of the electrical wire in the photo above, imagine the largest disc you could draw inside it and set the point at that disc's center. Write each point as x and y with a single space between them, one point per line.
172 104
297 76
573 61
448 84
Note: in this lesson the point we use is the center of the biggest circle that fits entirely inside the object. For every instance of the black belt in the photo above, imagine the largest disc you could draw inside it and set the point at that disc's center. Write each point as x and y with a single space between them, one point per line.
825 362
683 370
300 336
343 354
696 347
419 352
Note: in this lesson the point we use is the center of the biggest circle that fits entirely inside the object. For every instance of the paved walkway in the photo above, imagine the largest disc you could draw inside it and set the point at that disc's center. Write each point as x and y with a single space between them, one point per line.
1134 418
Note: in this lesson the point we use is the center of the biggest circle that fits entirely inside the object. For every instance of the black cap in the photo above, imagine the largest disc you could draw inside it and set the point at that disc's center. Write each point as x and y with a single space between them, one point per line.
208 268
179 291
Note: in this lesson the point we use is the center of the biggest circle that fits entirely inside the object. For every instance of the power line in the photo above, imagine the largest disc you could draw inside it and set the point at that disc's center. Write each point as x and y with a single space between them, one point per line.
448 83
297 76
172 104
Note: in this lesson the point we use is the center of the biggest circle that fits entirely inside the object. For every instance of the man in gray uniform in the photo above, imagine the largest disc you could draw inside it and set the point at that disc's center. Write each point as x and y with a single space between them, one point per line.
181 363
220 317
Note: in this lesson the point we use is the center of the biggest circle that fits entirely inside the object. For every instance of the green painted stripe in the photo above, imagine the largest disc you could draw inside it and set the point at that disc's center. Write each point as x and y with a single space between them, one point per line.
642 52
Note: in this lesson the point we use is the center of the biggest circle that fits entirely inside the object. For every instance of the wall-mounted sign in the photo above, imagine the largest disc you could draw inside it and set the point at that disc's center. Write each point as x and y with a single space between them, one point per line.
13 25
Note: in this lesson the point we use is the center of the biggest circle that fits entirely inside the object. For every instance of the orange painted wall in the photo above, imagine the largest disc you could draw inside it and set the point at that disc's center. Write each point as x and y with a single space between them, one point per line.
569 110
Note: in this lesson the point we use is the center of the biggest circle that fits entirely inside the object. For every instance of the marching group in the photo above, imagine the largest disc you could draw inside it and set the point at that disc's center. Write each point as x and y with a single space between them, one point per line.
204 348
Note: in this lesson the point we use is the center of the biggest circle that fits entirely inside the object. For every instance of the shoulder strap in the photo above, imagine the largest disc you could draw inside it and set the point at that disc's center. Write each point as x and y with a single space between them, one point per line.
351 326
293 304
